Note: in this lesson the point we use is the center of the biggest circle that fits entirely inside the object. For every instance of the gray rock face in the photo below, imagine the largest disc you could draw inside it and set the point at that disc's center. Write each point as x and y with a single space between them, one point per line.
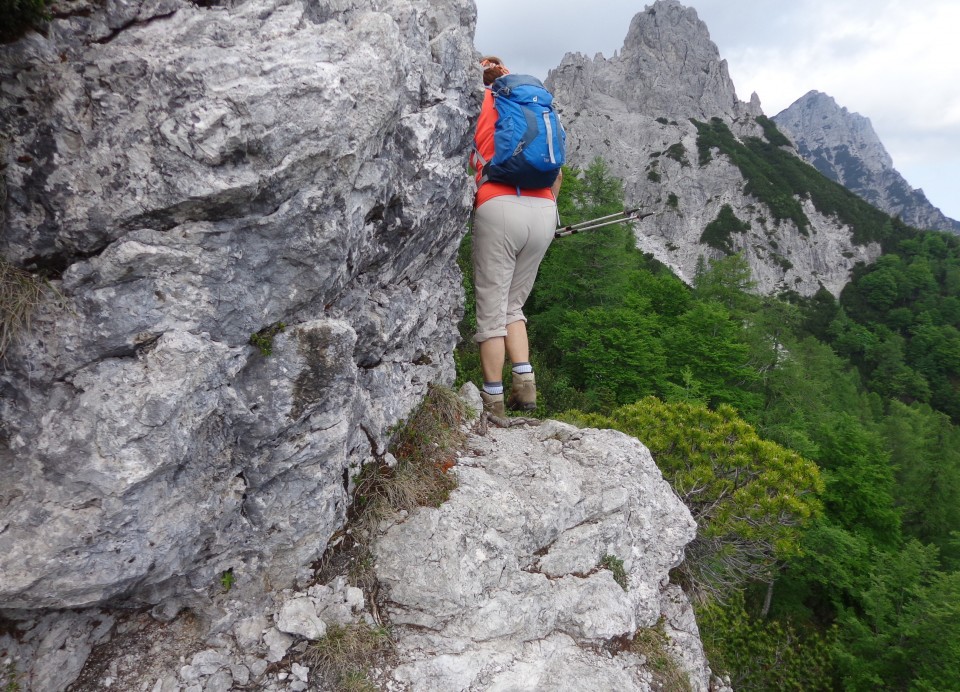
192 176
845 148
634 111
502 588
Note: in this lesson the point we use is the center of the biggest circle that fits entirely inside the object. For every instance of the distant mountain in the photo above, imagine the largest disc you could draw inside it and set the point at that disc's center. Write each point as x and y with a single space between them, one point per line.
844 147
664 115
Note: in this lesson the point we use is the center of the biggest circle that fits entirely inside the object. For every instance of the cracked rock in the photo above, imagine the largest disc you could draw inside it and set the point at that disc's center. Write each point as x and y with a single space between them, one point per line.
502 582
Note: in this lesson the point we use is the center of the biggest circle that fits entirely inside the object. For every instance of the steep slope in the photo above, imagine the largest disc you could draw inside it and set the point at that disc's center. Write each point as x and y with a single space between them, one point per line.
637 109
844 147
191 176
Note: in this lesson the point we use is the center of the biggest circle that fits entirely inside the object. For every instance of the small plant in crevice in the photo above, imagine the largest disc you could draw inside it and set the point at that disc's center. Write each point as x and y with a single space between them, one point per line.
9 677
346 652
263 339
615 565
227 580
424 446
651 643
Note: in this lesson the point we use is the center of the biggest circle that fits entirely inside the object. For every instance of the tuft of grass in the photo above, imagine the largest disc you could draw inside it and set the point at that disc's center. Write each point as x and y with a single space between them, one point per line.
347 652
615 565
357 681
425 447
20 293
651 643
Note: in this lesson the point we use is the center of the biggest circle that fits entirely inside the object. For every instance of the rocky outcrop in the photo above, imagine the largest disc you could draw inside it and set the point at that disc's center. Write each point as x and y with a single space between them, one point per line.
845 148
504 587
634 110
190 176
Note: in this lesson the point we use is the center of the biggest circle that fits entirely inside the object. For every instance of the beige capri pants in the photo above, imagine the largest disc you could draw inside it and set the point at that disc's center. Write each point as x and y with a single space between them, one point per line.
511 235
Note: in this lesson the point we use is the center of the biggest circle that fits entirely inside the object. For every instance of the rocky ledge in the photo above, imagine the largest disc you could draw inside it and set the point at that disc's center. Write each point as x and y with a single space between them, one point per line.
536 574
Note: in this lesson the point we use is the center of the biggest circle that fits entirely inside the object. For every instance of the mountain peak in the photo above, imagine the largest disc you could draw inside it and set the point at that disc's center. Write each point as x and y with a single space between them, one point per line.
667 13
667 67
825 124
844 147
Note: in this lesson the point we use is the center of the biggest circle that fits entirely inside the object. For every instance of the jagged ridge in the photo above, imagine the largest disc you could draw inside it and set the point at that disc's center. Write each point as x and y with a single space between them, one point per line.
844 147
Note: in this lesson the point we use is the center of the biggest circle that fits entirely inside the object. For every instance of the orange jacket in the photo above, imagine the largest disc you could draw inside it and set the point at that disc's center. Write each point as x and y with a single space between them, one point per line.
483 139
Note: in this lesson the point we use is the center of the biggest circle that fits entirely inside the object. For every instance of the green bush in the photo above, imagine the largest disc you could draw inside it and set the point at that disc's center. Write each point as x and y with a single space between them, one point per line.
777 178
773 135
749 497
678 153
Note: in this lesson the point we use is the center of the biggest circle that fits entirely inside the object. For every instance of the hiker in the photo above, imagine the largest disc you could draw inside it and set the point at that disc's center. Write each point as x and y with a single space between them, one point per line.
512 229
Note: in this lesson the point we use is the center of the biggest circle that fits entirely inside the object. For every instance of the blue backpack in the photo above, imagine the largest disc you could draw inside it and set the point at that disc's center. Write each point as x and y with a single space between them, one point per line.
529 141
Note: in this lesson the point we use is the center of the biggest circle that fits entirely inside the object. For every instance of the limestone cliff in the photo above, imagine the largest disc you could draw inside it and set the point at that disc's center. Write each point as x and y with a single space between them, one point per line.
844 147
635 110
191 175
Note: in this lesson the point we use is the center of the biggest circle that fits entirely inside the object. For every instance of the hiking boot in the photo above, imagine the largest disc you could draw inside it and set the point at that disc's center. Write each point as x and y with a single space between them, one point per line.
493 403
523 392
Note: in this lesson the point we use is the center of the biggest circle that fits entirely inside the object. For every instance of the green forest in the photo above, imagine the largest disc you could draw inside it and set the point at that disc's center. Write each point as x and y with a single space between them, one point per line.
815 440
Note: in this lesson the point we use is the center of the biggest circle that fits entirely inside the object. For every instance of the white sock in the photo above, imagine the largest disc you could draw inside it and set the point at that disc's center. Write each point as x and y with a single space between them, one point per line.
493 387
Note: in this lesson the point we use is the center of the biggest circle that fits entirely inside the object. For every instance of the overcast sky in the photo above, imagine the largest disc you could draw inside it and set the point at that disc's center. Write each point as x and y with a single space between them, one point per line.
892 61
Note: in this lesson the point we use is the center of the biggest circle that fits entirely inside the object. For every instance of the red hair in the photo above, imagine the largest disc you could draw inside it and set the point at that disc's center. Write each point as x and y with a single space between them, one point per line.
492 69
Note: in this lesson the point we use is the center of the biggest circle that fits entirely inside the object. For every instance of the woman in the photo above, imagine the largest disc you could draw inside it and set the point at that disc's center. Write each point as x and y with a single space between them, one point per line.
512 229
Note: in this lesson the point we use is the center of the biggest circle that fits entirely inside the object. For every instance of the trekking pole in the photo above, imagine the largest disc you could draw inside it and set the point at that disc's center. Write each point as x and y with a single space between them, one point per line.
619 217
625 212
